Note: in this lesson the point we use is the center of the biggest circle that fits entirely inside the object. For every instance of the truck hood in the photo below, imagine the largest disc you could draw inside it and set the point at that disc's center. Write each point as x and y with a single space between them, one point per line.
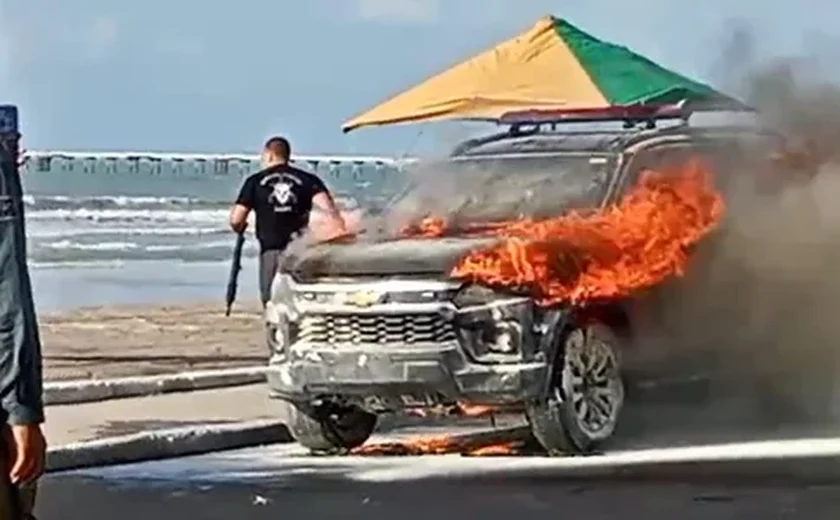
406 256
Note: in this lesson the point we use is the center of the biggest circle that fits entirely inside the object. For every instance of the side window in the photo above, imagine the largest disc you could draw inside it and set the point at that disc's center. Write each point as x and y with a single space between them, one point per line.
656 159
735 162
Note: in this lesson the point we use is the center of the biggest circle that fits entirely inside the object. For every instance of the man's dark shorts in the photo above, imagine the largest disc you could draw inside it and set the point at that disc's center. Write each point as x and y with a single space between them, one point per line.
269 265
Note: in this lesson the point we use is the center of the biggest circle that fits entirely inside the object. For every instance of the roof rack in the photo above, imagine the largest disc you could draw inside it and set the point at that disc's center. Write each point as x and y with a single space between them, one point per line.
630 116
627 114
534 122
635 118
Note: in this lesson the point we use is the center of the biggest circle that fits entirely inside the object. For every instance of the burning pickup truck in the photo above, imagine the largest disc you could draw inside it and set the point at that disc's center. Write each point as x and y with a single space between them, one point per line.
504 277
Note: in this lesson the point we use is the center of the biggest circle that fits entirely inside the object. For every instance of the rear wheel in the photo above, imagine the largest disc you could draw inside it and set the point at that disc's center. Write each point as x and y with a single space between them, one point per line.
329 428
586 394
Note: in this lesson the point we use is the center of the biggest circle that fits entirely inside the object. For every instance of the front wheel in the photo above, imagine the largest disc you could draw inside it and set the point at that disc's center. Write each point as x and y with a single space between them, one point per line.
329 428
586 395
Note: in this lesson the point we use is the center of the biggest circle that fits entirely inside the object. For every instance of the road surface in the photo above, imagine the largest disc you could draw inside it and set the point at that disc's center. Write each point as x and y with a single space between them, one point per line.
281 482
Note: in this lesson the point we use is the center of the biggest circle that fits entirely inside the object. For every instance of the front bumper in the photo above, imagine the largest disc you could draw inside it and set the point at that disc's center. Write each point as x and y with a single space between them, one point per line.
420 375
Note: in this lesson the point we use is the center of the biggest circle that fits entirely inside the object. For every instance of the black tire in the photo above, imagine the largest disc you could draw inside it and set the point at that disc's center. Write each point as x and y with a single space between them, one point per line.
329 428
557 421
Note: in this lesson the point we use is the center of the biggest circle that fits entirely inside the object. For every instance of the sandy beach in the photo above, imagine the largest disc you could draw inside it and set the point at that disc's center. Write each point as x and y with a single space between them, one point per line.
115 341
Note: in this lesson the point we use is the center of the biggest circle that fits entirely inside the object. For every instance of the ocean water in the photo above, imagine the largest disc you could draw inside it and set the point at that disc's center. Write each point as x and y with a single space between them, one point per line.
102 232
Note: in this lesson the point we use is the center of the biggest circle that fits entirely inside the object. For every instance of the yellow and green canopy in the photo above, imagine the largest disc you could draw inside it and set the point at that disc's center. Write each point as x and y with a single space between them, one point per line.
554 67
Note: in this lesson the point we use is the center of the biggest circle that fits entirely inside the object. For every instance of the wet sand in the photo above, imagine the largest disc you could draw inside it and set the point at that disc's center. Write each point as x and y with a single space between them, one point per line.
153 339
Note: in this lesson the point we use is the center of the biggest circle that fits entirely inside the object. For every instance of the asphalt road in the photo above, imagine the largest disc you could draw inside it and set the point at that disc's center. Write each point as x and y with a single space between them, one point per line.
298 492
282 481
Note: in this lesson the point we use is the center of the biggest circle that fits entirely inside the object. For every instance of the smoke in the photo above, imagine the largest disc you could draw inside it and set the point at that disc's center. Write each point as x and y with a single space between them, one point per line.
468 192
761 301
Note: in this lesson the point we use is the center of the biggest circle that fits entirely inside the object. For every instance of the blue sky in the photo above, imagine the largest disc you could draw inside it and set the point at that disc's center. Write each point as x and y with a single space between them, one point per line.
199 75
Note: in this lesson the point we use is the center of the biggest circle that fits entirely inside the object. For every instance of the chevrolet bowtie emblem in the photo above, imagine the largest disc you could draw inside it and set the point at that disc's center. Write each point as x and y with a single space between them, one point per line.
362 298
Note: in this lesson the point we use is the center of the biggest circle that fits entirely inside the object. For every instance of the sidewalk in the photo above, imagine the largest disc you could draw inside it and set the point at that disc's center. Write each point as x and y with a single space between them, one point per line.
125 341
223 406
82 422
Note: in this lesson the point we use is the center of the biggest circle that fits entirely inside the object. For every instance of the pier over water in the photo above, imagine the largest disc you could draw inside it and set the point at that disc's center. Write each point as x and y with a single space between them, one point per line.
51 171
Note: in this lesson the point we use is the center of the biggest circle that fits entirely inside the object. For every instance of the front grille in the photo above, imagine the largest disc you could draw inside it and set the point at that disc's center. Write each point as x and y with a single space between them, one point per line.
376 328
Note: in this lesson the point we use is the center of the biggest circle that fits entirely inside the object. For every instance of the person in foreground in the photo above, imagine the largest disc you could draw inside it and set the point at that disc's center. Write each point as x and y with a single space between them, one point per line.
282 198
23 449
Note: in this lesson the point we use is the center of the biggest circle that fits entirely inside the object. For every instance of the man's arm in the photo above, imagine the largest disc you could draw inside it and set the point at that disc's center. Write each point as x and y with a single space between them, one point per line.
243 206
20 355
239 218
335 226
24 405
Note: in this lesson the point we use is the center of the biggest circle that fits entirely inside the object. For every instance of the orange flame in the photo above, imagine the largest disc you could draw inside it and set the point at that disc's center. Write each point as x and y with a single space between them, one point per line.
461 409
428 227
439 445
607 254
473 410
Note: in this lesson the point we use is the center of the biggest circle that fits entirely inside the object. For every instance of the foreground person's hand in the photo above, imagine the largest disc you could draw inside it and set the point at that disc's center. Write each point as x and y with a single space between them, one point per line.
27 451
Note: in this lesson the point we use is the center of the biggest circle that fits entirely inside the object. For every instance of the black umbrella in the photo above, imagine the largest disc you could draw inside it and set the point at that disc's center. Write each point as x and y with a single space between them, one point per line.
235 267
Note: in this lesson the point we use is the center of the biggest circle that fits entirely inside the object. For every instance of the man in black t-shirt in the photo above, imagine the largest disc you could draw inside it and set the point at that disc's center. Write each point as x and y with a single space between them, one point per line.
282 197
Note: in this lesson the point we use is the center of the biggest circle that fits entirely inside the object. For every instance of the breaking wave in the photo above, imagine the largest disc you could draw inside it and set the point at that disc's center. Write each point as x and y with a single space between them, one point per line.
68 229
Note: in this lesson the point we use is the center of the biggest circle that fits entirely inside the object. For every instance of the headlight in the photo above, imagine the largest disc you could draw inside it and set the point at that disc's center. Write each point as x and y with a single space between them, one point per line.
506 339
473 294
494 324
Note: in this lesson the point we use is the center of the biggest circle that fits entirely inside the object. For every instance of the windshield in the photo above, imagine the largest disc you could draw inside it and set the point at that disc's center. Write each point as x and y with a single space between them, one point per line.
484 189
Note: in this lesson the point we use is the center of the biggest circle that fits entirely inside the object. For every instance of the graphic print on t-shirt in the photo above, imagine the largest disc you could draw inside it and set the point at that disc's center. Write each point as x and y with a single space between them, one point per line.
281 194
282 197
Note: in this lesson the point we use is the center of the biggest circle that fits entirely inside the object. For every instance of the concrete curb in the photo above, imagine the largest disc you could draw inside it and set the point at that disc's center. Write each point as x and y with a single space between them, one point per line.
161 444
84 391
180 442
